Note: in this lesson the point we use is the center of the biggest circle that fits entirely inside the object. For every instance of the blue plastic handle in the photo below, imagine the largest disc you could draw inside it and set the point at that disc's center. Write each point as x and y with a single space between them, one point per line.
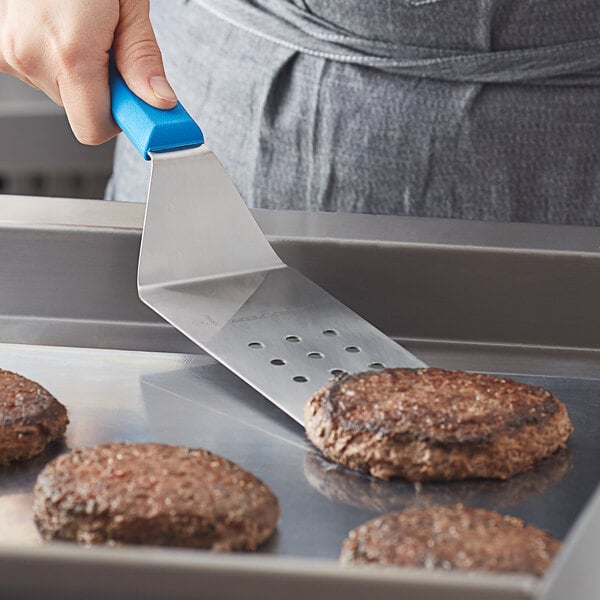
151 129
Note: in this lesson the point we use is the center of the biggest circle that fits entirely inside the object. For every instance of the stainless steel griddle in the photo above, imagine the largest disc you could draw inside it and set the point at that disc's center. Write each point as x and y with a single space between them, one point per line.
124 375
193 400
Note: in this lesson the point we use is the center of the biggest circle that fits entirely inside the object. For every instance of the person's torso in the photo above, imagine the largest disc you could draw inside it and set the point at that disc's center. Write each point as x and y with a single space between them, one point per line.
461 24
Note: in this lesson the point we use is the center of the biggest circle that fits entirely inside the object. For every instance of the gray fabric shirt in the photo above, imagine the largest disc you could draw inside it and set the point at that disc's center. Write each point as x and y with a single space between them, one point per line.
477 109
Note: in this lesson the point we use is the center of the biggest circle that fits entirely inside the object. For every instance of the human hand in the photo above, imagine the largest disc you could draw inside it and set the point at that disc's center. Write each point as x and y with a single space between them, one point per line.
61 47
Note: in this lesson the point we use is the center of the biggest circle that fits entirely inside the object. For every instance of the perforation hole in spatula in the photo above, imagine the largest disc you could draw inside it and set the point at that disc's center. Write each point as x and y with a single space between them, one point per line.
377 366
278 362
314 364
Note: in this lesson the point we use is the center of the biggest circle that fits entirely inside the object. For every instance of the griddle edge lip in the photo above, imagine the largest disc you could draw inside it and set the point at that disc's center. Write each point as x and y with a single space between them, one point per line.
132 570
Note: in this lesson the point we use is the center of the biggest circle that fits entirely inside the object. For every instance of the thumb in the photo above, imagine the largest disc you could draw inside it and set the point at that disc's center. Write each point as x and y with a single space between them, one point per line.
138 56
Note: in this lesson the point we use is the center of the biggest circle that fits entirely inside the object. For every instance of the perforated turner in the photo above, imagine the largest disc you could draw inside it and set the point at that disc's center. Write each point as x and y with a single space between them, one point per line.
206 267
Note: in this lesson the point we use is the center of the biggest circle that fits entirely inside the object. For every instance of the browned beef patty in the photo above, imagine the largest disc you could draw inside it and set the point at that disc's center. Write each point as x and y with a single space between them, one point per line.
153 494
30 418
434 424
451 537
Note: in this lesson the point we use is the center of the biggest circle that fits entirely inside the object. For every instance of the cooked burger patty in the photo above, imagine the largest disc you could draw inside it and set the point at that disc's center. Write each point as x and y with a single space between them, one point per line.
30 418
434 424
451 537
153 494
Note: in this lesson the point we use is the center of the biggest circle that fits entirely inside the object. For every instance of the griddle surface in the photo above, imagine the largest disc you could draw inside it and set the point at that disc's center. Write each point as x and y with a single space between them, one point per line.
191 400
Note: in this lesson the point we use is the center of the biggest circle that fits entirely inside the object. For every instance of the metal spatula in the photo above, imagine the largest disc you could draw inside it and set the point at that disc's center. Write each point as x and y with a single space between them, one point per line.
206 267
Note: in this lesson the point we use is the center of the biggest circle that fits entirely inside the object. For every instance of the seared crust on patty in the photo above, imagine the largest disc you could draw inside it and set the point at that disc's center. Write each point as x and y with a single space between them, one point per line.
433 424
153 494
30 418
451 537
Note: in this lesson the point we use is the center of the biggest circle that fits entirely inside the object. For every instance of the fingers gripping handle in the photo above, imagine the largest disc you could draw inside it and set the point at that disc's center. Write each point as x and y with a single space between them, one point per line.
151 129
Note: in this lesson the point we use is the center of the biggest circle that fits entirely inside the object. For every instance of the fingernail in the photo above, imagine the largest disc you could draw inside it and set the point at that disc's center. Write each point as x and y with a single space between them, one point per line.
161 88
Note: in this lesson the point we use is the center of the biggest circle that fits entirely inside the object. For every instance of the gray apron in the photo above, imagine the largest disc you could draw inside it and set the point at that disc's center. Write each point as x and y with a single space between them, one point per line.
477 109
